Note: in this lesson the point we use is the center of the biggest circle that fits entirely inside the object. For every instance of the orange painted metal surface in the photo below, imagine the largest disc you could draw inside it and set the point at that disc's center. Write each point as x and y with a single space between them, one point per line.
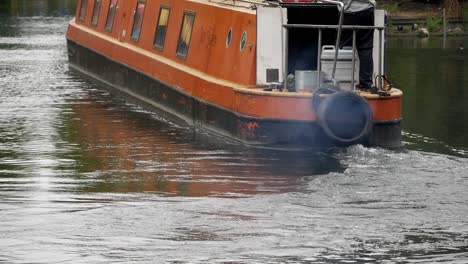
208 52
211 70
275 107
384 109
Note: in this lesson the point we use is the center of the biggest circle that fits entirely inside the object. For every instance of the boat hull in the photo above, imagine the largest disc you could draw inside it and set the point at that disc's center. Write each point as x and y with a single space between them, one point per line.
183 108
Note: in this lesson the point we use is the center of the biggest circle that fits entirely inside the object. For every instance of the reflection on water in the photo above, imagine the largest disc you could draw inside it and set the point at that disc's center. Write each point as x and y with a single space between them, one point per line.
130 150
28 8
435 84
87 178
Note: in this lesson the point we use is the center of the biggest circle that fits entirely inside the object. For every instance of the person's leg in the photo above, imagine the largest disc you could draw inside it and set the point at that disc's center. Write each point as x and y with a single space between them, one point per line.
347 35
366 68
365 45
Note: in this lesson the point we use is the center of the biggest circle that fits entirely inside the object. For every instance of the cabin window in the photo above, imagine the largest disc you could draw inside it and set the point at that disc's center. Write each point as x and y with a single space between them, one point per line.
96 10
161 28
229 38
185 34
243 41
84 4
138 20
111 15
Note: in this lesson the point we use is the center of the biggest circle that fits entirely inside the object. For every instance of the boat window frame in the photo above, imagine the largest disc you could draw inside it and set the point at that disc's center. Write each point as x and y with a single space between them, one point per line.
82 13
132 37
243 41
180 54
155 45
111 16
229 37
96 13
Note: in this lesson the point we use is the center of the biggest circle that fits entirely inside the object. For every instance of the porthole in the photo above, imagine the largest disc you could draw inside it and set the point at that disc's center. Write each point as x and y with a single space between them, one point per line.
229 38
243 41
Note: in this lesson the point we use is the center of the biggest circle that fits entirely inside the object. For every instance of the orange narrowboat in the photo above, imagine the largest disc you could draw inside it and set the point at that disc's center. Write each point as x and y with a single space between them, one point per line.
264 73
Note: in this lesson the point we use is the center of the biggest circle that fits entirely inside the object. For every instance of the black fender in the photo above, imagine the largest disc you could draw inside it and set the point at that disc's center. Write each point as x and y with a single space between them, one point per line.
345 117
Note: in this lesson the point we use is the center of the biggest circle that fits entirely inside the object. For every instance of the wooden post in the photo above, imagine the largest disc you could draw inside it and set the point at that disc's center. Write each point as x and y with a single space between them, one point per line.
444 17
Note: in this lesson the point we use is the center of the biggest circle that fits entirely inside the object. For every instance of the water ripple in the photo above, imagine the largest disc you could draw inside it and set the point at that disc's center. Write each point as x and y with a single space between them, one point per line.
86 177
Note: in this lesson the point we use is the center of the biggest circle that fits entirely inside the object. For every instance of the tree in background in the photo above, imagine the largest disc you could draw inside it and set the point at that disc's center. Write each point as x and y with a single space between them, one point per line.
453 7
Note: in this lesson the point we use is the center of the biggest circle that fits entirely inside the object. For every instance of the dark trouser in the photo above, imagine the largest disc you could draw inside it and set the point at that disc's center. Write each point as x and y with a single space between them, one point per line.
364 43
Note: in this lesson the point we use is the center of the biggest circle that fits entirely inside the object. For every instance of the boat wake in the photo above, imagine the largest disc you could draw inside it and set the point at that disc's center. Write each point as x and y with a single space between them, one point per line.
424 143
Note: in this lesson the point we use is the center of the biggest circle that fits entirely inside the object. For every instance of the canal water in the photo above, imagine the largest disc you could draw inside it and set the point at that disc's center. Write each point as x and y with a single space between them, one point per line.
86 177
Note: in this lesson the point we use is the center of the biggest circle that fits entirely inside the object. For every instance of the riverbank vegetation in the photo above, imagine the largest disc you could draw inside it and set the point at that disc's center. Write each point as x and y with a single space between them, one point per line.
418 8
412 16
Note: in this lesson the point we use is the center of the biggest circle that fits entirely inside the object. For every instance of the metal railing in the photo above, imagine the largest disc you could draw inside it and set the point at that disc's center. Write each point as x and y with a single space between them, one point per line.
340 6
354 28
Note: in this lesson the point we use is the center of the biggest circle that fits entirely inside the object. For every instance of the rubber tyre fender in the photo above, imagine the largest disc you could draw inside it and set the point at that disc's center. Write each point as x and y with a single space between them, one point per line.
345 117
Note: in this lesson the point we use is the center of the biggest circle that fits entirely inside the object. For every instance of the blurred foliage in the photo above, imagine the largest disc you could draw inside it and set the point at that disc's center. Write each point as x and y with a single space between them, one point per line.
391 8
433 23
453 7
